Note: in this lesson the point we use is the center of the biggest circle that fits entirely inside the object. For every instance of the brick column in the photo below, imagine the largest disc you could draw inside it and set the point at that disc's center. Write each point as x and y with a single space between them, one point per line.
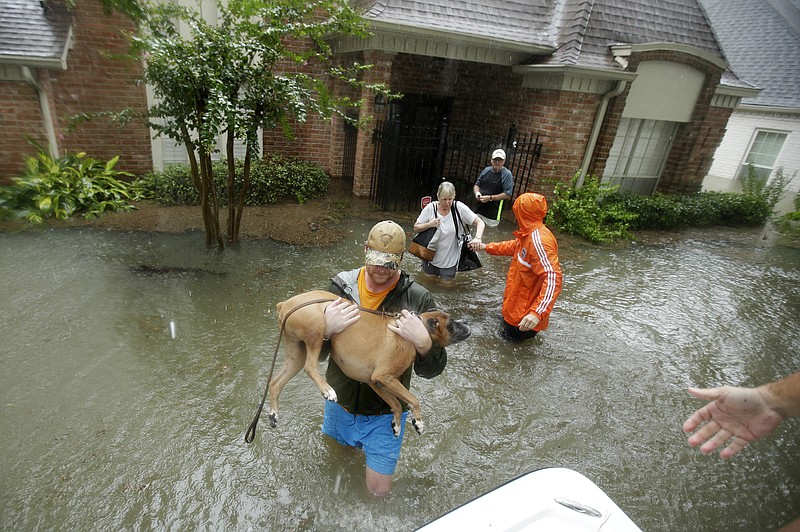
381 72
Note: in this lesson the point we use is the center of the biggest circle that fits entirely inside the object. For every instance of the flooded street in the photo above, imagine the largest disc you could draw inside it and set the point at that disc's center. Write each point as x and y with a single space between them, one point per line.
132 364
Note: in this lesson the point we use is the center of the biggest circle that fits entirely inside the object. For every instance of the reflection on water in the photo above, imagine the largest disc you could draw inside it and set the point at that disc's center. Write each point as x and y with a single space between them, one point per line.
133 363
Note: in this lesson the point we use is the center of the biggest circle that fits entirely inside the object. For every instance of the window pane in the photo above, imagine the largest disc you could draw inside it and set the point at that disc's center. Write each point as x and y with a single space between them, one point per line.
173 153
638 153
766 148
763 153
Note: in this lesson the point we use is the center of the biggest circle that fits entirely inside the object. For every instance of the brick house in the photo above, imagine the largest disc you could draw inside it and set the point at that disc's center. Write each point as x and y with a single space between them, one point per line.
636 91
53 65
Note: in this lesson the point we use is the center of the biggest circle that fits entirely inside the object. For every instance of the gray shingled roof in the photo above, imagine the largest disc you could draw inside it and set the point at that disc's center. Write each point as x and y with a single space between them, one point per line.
761 41
33 35
519 21
643 22
579 32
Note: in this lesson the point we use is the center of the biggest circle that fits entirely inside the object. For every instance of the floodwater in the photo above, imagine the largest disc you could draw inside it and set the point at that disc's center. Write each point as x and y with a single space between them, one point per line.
127 385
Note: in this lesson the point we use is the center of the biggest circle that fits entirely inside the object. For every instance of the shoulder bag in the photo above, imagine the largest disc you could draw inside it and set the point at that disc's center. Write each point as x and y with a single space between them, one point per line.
419 244
469 259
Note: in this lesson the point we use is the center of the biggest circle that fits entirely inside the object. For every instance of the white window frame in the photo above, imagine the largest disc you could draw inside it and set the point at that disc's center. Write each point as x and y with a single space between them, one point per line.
763 152
639 154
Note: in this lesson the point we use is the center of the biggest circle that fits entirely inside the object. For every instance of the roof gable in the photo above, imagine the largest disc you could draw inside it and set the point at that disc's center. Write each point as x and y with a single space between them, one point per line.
34 33
769 57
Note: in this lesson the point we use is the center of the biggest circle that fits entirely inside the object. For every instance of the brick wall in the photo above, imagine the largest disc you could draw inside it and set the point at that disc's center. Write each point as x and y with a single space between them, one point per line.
20 118
316 139
94 83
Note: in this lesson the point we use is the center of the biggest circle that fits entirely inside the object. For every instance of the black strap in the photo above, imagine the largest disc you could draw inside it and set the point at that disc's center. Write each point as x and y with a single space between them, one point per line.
457 216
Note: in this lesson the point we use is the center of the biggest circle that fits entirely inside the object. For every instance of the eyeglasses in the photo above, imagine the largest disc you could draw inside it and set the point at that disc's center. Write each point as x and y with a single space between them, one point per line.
497 159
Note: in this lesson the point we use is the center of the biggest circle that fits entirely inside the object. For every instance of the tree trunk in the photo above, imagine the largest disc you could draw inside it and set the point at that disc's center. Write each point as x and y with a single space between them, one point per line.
243 193
209 204
232 234
203 178
236 203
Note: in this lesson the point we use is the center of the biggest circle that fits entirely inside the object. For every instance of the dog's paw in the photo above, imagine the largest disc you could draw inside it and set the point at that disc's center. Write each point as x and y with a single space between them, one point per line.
418 425
273 420
396 429
330 395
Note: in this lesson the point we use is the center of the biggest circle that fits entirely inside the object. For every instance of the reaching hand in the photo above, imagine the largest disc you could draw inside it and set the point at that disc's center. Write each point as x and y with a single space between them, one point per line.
735 415
340 315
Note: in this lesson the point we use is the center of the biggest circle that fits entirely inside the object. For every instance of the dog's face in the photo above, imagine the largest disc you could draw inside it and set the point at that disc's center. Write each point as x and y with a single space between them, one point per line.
443 329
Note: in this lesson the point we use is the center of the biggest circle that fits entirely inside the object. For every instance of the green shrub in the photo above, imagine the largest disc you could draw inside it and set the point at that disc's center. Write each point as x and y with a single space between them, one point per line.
60 188
584 212
789 223
271 179
703 209
171 186
298 179
656 211
771 190
600 213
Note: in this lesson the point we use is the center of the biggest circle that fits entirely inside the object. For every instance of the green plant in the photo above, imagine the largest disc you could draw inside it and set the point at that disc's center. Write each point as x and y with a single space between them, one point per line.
789 223
293 178
63 187
584 212
770 189
702 209
171 186
271 179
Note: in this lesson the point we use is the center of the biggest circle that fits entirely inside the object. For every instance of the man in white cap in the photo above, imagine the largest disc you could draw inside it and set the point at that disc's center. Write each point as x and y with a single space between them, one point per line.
360 418
494 185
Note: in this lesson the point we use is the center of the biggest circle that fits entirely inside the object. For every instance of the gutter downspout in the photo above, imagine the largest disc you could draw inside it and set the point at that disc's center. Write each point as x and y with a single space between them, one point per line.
47 115
598 122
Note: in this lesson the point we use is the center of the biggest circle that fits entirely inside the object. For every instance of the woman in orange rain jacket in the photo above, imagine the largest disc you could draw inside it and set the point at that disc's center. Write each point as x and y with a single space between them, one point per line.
534 279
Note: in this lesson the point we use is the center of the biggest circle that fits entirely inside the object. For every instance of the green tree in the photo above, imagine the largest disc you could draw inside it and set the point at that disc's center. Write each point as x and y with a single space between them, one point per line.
261 64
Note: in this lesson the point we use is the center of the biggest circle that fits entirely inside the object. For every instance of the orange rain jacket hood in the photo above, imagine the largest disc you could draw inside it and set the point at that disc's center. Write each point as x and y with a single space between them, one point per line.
534 278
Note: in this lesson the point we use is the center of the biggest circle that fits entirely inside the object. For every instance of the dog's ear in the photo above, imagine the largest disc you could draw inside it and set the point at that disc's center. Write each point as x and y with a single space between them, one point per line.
432 324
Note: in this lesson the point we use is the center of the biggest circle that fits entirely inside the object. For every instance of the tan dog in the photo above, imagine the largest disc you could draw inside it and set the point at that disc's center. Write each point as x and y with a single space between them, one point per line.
367 351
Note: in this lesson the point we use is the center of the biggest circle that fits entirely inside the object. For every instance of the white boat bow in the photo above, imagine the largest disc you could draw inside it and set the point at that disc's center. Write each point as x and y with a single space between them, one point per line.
556 498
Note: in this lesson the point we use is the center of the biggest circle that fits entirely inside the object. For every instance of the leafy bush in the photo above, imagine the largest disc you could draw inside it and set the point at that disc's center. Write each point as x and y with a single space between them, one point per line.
769 189
584 212
789 223
703 209
60 188
271 179
299 179
600 213
172 186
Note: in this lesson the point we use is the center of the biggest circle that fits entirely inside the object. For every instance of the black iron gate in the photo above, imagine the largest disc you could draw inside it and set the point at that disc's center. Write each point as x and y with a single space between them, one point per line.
349 154
411 161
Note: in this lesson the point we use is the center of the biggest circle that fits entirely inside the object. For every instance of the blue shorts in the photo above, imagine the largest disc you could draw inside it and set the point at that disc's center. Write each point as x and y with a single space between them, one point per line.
444 273
373 434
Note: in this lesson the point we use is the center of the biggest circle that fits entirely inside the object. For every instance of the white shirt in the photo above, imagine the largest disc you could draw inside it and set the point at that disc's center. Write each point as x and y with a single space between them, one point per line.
445 241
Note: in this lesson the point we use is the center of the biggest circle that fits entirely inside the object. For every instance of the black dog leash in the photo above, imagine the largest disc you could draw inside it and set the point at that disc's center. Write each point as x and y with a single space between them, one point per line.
251 430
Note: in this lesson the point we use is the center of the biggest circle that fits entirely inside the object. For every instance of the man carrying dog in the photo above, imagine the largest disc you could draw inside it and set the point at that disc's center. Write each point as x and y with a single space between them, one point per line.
360 418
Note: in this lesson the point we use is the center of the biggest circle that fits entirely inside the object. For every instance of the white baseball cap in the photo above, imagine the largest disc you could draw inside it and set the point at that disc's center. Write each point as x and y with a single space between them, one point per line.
499 153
